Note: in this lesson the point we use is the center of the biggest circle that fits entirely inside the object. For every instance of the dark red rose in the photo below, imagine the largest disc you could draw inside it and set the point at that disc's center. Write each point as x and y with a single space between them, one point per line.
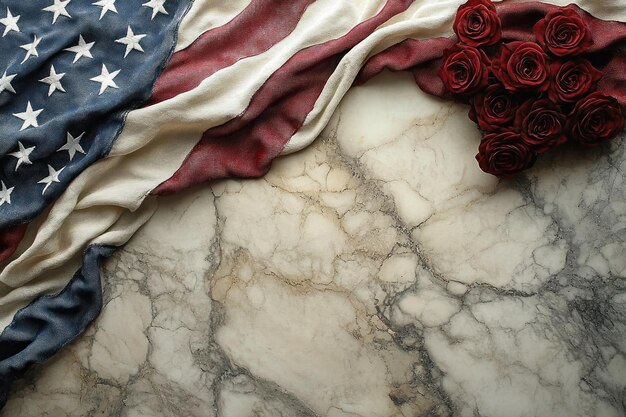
505 154
522 66
494 109
563 32
596 119
477 23
572 79
541 124
464 70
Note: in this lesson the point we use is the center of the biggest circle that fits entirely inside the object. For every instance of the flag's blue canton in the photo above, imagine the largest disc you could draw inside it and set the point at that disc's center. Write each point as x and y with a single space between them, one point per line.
70 70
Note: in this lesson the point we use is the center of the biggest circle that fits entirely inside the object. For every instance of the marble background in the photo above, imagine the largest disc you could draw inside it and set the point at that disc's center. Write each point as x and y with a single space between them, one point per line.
377 273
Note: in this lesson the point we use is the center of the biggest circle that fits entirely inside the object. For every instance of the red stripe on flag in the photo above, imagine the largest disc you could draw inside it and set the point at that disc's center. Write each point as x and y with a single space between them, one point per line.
614 81
245 146
10 238
422 57
256 29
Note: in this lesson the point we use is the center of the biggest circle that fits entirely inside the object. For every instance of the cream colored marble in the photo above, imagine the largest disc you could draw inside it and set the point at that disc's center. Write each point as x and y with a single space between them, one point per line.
377 273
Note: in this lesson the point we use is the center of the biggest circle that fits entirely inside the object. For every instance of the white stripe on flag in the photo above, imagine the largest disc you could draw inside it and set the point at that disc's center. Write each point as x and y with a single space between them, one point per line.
205 15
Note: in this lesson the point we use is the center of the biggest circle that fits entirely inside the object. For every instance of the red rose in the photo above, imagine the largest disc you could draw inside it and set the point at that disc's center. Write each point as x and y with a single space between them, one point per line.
505 154
477 23
572 80
595 119
541 124
494 108
563 32
522 66
464 70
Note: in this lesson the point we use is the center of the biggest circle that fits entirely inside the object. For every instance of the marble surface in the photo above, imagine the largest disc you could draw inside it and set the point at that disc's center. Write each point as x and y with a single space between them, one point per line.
376 273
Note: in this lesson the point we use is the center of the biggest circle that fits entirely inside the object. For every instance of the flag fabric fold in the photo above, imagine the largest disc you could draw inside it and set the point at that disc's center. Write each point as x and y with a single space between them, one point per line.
52 321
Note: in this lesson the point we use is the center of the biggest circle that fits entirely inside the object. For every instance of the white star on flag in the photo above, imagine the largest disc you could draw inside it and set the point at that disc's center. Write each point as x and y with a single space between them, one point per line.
5 82
54 80
106 79
58 8
29 117
73 145
156 6
82 49
5 194
106 6
31 48
23 155
53 176
131 41
10 23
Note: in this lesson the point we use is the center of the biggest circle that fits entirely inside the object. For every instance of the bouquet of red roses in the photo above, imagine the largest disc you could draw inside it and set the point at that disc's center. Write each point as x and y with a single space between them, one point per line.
528 96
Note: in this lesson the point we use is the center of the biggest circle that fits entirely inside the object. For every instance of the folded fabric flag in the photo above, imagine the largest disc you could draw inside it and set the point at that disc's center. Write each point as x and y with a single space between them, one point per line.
105 105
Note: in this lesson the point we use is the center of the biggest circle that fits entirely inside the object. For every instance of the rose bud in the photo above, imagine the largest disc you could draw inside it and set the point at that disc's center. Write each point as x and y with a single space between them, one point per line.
464 70
494 109
505 154
541 124
572 79
596 119
522 66
563 32
477 23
